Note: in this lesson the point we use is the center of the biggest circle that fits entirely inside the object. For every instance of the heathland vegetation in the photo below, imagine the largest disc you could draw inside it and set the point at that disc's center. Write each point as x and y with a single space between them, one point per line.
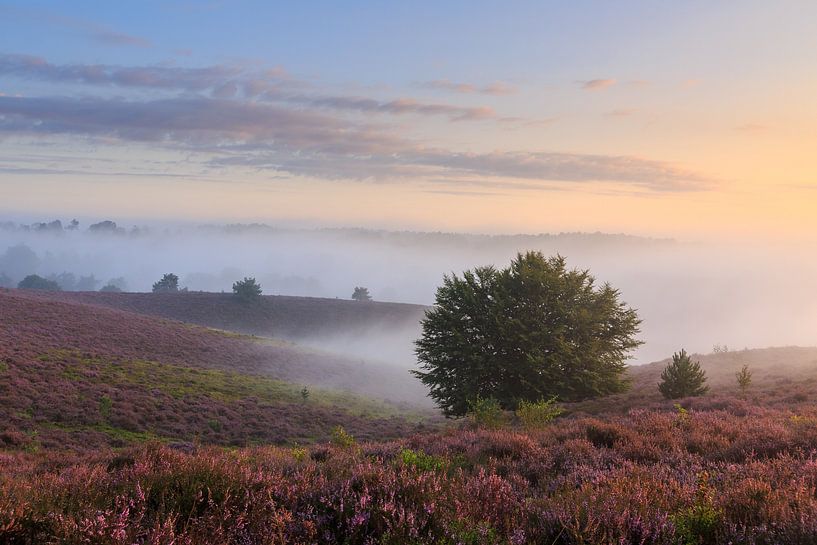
129 419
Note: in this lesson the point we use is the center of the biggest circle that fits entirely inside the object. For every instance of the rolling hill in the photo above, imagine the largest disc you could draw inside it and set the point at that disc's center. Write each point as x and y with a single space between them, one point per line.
280 316
82 375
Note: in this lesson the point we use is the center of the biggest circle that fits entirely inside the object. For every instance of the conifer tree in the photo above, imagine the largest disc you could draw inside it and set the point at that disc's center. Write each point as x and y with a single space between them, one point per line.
682 377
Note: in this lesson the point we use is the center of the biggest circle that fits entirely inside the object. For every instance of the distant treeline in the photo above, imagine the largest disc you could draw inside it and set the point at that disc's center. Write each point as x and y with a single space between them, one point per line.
109 226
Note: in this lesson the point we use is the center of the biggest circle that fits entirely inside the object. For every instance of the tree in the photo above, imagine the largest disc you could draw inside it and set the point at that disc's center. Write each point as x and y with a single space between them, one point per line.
532 331
247 290
110 288
118 284
682 377
6 281
36 282
168 284
361 294
744 377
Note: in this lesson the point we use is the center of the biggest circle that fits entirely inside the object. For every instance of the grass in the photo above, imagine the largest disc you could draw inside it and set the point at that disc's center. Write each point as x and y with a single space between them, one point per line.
181 382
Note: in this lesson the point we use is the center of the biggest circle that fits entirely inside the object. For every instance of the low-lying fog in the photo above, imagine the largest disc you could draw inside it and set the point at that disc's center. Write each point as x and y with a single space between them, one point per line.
689 294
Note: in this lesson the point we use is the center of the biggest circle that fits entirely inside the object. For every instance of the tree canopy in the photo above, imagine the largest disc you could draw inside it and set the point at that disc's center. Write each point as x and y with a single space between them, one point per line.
168 283
247 290
37 282
528 332
682 377
361 294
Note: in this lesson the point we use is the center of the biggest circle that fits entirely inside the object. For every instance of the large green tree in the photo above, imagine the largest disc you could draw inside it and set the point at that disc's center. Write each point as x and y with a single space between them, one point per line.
531 331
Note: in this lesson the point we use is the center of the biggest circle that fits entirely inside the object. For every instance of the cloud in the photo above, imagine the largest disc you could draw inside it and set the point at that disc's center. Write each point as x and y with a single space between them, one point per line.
224 81
497 88
266 136
397 106
99 33
596 84
156 77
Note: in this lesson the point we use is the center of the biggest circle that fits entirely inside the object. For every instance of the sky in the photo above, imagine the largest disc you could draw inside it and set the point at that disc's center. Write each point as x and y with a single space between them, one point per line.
686 119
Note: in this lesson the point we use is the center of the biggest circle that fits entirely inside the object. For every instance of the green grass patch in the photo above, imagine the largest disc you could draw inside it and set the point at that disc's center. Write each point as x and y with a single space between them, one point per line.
224 386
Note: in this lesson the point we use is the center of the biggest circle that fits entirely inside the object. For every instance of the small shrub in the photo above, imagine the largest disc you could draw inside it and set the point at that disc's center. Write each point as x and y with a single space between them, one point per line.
744 378
304 394
603 435
299 453
537 414
698 523
105 406
486 412
110 288
214 425
422 461
342 438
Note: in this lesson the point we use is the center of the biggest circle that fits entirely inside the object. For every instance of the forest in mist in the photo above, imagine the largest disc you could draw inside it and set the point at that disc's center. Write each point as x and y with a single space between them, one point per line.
694 294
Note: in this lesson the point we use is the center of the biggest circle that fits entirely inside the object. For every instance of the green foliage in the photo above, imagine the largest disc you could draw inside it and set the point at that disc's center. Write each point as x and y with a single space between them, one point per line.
299 453
422 461
36 282
744 378
105 406
3 367
486 412
342 438
698 523
111 288
537 414
214 425
682 377
304 394
361 294
168 284
528 332
247 290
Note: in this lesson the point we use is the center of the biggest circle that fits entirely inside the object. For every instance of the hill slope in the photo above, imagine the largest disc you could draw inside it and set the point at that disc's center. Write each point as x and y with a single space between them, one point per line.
77 374
781 377
273 315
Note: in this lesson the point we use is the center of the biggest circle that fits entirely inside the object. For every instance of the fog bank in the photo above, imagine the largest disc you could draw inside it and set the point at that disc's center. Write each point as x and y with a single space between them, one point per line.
689 294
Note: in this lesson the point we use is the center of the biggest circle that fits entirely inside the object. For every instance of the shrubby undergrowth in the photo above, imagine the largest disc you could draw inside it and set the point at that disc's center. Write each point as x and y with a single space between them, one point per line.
648 477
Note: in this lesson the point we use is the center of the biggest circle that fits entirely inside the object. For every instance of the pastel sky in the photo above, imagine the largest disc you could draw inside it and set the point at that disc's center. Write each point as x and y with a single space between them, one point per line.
649 117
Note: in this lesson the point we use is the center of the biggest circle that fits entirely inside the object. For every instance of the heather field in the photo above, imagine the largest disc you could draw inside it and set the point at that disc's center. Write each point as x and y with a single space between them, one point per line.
82 377
279 315
122 427
742 474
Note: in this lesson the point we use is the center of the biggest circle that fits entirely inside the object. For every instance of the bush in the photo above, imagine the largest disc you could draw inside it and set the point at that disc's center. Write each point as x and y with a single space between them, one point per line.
36 282
247 290
110 288
682 378
422 461
361 294
537 414
342 438
744 378
168 284
486 412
